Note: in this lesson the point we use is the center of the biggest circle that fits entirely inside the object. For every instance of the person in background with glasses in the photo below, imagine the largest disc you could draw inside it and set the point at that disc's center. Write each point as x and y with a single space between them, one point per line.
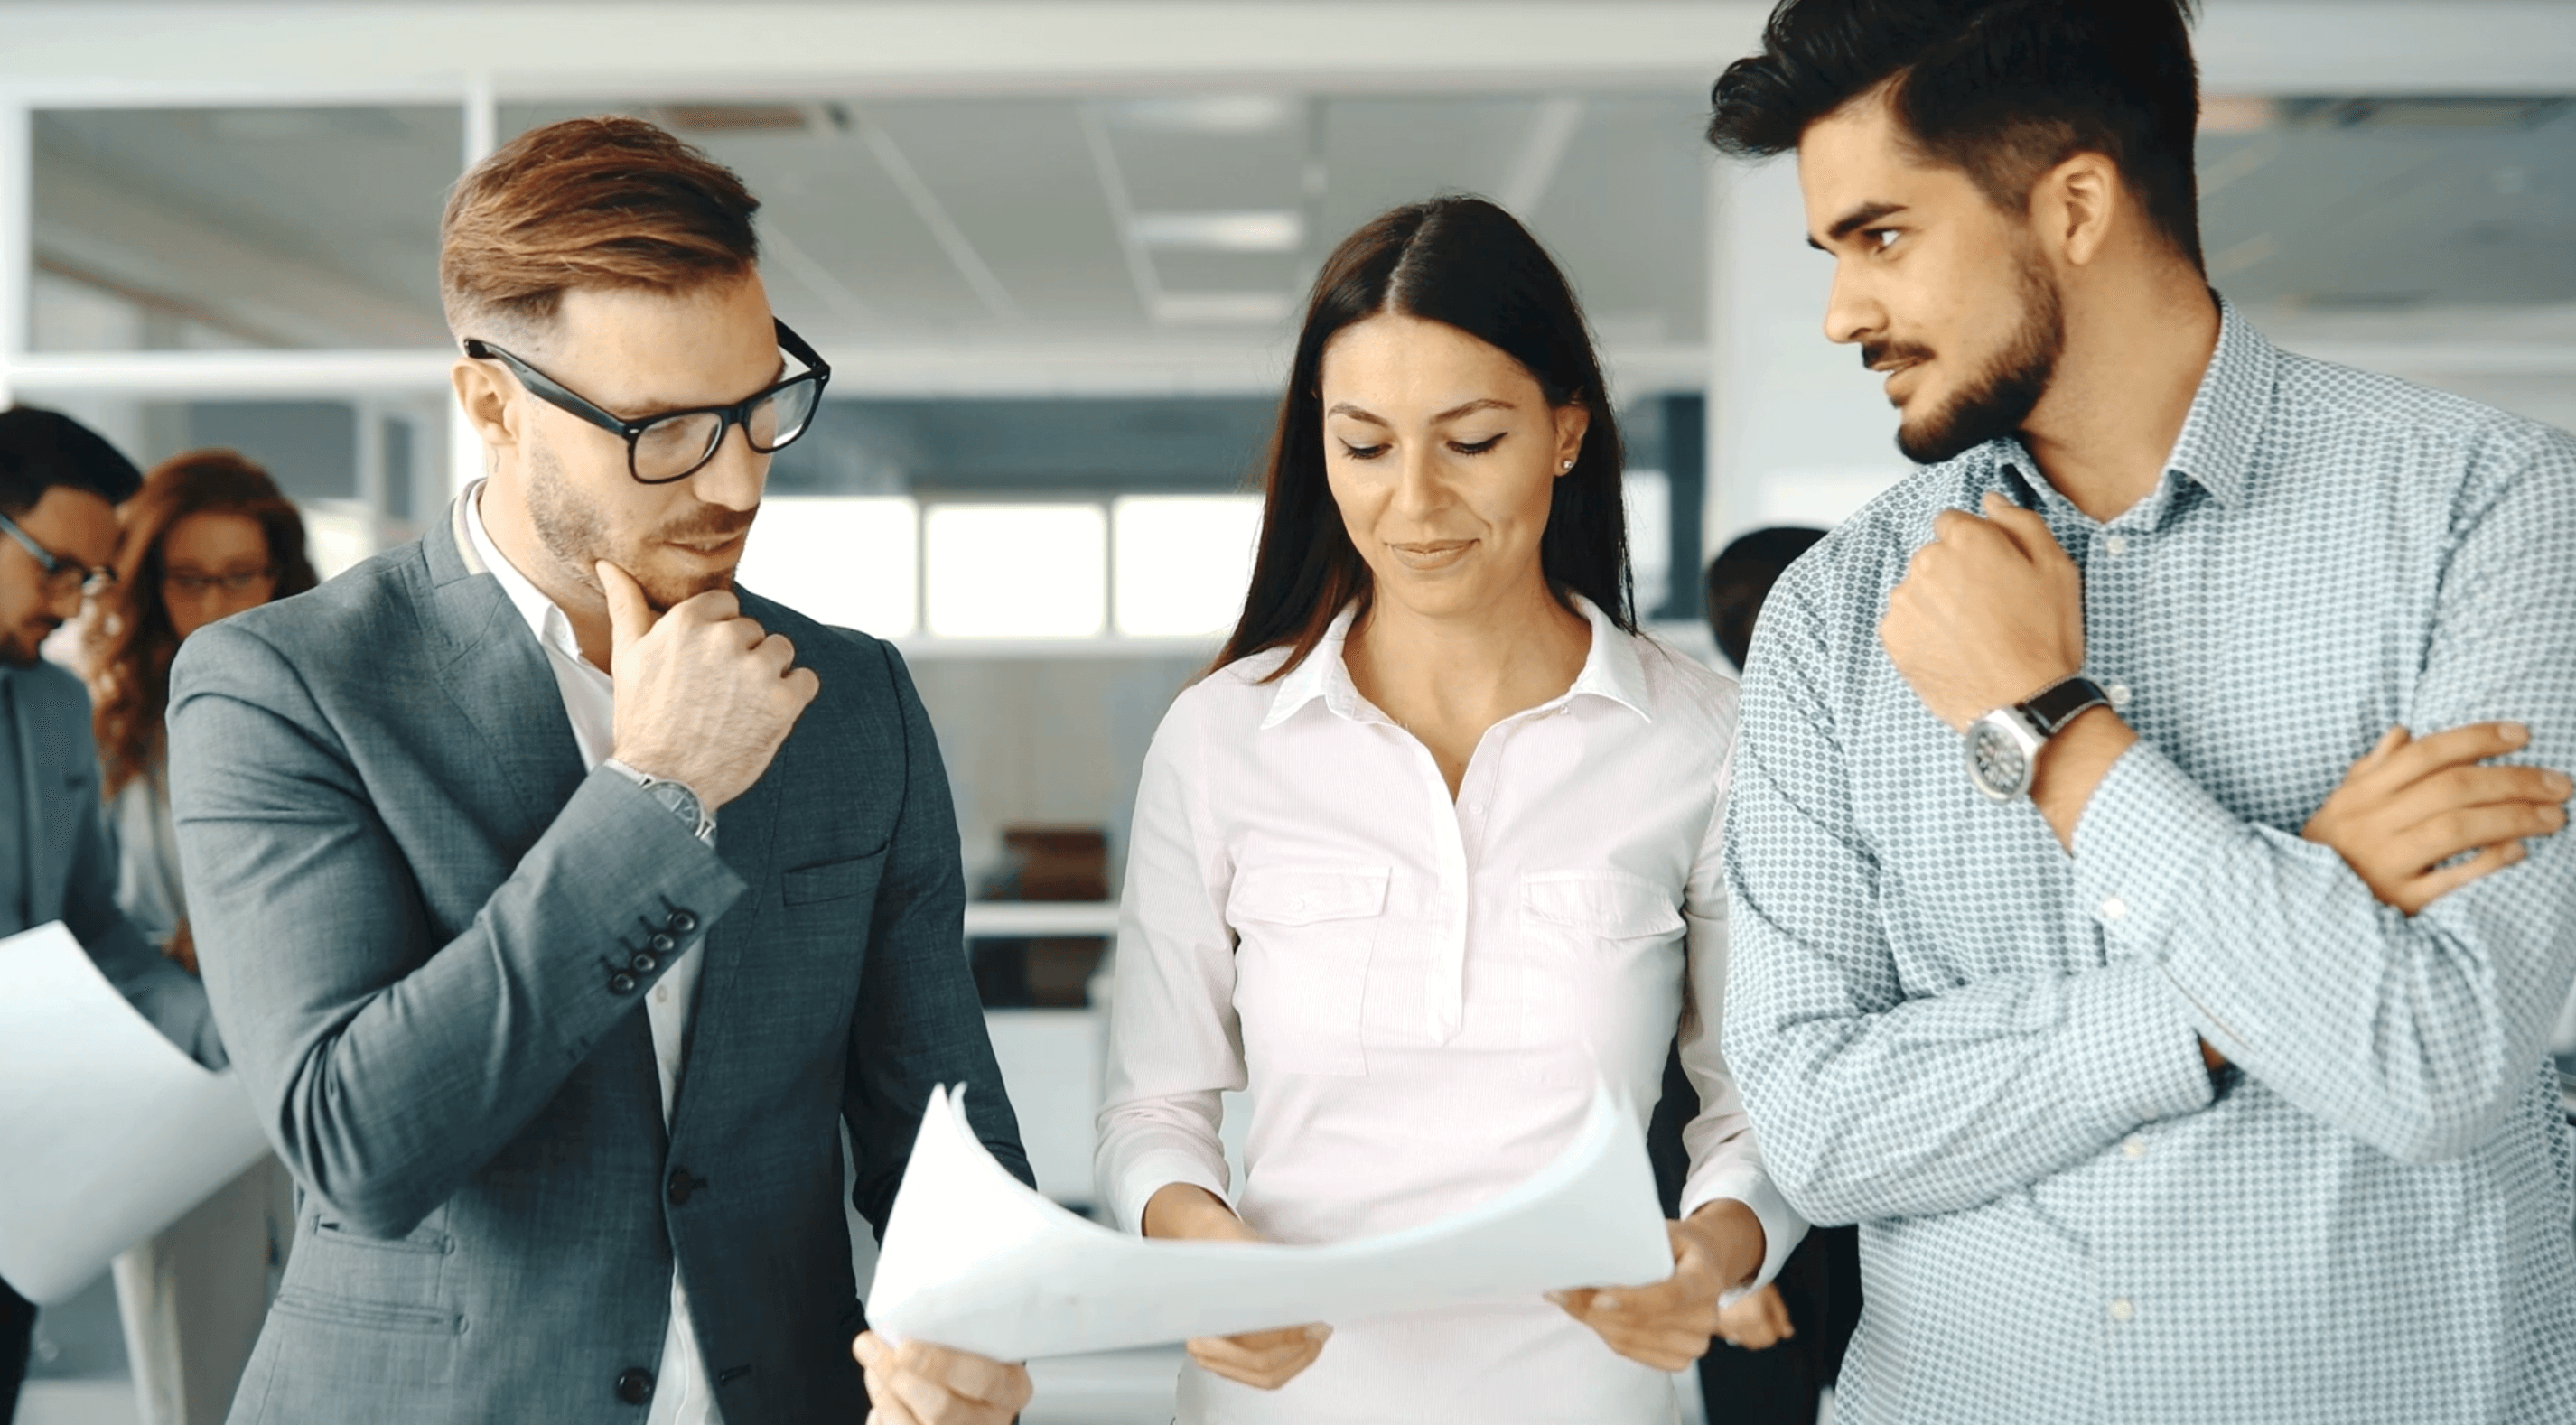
209 535
563 900
59 487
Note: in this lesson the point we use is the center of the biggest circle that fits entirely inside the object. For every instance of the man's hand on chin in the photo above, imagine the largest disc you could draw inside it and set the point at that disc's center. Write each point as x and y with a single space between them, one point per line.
917 1383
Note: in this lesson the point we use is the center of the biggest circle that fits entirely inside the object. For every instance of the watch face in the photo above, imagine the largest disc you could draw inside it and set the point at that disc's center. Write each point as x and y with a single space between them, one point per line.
1997 762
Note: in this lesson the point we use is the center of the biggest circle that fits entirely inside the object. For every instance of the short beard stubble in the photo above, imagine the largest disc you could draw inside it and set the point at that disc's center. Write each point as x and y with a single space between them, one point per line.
574 531
2001 397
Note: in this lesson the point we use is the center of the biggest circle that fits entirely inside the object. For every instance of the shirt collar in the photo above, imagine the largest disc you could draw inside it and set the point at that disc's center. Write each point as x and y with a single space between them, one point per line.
540 613
1610 670
2217 441
2216 445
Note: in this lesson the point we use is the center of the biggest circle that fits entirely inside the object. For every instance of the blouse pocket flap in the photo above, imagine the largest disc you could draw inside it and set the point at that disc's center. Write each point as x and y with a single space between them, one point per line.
1306 897
1605 904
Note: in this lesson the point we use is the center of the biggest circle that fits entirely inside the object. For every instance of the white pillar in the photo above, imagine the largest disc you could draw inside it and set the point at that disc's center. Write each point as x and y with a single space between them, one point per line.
17 237
1798 432
464 447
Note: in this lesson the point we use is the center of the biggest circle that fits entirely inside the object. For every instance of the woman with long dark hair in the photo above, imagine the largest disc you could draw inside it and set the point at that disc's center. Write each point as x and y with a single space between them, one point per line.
207 536
1431 851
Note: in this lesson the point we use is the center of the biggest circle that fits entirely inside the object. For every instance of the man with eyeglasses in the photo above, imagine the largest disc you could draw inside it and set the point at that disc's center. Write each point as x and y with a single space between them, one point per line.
564 902
59 488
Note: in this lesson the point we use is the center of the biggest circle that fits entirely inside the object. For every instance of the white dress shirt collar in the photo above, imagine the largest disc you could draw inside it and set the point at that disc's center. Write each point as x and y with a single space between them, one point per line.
544 619
1610 670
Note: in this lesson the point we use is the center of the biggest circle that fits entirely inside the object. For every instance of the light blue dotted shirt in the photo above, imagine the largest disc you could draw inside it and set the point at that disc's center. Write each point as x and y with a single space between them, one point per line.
1986 1051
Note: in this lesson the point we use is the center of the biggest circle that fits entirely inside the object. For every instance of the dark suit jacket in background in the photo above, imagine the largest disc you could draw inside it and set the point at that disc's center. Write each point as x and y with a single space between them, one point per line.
71 877
428 936
71 861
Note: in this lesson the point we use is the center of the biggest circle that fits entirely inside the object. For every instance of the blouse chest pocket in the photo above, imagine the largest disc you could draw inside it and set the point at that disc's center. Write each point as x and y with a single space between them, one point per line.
1602 974
1301 960
1598 907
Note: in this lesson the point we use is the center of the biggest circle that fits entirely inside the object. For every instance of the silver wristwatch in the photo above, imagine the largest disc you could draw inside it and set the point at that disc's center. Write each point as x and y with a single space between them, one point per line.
2003 746
682 802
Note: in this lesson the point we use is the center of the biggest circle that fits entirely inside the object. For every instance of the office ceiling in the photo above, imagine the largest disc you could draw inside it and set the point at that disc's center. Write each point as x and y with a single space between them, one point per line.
1190 219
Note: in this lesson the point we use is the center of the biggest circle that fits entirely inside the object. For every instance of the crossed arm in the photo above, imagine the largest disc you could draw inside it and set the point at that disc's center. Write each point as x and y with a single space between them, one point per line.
2395 996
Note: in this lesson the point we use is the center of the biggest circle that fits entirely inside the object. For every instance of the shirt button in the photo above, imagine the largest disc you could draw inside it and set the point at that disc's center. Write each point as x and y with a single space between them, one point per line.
1475 808
2133 1147
2121 1310
661 994
1303 902
2118 693
2116 545
2114 908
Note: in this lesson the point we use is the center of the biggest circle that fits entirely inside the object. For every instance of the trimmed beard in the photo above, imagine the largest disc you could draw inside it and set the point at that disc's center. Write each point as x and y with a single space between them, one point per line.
574 531
2001 398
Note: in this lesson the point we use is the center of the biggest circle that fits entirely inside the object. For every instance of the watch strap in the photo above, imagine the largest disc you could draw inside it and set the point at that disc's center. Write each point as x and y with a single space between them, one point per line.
2053 707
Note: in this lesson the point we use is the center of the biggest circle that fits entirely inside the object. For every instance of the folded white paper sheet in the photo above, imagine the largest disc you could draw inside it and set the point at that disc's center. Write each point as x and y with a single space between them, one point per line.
975 1261
108 1132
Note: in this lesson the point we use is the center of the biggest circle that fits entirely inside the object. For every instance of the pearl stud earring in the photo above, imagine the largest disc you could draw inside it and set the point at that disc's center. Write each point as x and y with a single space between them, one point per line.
1564 466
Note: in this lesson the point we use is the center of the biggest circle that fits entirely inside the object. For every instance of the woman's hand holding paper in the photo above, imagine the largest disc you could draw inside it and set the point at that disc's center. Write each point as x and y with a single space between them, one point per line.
1668 1325
1266 1360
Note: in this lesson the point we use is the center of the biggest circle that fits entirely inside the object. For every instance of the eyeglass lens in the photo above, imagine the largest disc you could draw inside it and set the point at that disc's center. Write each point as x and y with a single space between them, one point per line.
672 447
188 581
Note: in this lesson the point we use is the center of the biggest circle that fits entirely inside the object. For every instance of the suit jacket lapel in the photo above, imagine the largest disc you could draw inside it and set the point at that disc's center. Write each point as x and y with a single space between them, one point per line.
494 672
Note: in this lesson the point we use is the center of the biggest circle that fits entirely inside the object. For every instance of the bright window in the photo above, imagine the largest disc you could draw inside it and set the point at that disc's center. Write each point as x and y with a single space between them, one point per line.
1183 561
846 560
1016 571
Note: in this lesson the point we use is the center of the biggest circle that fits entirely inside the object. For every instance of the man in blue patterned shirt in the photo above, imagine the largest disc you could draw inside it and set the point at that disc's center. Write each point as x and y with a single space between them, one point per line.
2172 1019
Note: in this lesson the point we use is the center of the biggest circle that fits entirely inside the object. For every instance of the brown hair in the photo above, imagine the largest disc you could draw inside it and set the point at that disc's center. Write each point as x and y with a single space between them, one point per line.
601 202
1464 262
131 641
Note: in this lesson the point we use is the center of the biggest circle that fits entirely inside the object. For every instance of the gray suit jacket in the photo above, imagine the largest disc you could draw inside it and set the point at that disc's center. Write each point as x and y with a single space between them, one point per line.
71 862
428 936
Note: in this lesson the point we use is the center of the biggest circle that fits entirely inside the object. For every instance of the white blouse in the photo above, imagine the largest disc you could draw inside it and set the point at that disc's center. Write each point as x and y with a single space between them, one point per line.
1419 994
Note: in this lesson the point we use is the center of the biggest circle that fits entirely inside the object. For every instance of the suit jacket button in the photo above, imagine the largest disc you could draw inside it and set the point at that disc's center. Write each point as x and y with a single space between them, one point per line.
635 1385
661 944
643 963
621 983
682 1185
681 922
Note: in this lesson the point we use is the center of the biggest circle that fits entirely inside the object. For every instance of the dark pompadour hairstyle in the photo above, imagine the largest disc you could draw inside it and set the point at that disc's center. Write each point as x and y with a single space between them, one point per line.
41 449
2002 90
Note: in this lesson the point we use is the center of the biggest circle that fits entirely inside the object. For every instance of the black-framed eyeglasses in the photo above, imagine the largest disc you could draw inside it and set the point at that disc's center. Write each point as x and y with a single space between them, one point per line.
62 572
677 444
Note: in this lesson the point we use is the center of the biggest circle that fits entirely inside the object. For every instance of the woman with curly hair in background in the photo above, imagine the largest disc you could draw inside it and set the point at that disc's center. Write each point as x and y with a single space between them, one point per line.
208 535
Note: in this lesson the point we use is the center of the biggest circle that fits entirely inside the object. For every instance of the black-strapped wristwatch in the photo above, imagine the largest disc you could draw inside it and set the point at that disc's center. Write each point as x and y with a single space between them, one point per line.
2003 746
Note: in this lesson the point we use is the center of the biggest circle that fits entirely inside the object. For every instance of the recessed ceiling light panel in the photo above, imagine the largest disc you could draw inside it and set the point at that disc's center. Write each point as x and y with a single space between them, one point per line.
1255 230
1209 113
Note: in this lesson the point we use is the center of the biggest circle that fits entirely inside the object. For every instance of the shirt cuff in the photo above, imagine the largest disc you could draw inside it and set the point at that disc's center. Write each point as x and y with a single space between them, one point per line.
2149 1067
1154 1170
2139 849
1782 1228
